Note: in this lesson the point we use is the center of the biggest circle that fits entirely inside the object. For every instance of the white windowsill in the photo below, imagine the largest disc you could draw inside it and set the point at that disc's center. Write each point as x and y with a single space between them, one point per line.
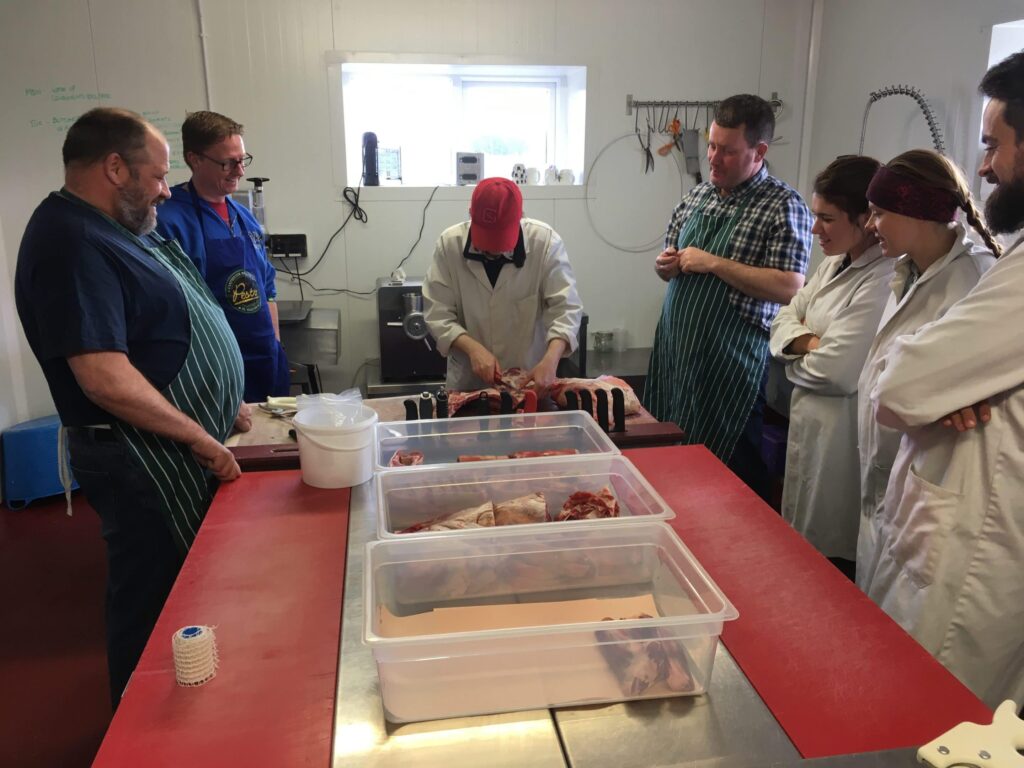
530 192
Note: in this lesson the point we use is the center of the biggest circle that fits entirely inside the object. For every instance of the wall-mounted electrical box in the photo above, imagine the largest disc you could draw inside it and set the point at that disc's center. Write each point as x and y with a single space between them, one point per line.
469 168
287 246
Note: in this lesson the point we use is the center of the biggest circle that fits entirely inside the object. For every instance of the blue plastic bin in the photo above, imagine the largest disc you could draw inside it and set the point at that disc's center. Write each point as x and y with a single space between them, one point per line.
30 462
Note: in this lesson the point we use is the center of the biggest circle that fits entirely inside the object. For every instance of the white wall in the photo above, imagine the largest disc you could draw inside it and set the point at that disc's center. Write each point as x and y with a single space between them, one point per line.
1007 39
267 64
938 46
60 58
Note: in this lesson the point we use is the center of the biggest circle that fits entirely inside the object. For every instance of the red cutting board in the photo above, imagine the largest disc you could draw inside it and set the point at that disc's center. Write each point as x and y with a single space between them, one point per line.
837 673
267 571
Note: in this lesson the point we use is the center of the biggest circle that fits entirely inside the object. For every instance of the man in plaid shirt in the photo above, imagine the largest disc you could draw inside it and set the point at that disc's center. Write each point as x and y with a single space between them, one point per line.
736 248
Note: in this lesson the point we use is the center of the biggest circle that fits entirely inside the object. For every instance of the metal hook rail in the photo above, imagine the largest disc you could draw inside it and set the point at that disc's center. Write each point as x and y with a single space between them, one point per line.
916 95
669 106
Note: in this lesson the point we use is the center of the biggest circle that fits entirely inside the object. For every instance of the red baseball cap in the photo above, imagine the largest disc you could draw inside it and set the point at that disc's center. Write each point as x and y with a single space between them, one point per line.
494 211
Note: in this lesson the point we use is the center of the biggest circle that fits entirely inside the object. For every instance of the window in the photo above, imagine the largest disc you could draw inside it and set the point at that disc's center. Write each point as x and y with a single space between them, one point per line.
423 114
1006 39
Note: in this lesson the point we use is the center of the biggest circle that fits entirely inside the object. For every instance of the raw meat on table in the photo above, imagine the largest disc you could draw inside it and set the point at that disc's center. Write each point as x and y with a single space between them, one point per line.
515 381
525 509
541 454
586 505
406 459
531 508
607 383
641 659
519 455
474 517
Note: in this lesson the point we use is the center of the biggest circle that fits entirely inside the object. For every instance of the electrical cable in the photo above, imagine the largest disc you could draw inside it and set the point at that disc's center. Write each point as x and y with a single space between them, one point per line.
590 217
360 215
355 212
355 376
351 196
419 237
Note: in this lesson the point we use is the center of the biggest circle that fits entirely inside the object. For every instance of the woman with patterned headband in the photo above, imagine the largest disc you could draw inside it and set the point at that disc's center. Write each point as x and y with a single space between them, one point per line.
915 200
950 567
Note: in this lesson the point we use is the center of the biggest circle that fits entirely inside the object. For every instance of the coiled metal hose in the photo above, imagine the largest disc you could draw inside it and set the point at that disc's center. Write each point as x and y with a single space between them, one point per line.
916 95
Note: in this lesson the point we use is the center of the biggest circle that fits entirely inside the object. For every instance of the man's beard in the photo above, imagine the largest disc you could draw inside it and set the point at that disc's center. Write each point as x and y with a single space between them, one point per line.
1004 209
136 210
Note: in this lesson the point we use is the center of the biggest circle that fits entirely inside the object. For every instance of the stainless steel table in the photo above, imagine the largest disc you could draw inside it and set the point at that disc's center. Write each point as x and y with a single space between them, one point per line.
728 726
361 735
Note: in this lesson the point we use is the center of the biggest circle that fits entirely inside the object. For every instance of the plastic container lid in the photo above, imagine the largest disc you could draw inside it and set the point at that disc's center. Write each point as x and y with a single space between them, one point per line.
343 417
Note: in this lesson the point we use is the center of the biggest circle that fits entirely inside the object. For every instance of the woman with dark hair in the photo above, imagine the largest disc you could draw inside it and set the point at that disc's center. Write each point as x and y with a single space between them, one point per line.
823 337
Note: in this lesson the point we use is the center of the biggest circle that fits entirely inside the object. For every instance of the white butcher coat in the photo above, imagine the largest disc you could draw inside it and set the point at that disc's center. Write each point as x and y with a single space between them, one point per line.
943 284
515 319
821 494
949 563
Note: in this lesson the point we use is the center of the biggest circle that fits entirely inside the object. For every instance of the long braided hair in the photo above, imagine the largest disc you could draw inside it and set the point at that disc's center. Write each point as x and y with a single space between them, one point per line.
940 172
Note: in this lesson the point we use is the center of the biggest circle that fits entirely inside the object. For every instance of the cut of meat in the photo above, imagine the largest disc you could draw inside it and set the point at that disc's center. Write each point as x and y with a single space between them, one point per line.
539 454
525 509
643 661
531 508
406 458
515 381
518 455
474 517
607 383
585 505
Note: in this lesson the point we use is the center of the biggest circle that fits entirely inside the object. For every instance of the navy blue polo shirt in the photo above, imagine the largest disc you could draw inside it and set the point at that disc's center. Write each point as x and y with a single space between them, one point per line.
83 285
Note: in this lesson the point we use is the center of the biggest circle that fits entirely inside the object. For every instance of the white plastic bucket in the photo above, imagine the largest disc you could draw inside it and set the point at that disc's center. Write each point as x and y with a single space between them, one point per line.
336 445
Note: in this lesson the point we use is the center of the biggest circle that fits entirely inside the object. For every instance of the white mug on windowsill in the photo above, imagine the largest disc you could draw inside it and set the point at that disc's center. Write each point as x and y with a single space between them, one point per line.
532 176
566 176
551 175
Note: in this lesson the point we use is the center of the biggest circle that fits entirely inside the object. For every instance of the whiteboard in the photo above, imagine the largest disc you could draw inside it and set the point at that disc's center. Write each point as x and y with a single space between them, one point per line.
59 59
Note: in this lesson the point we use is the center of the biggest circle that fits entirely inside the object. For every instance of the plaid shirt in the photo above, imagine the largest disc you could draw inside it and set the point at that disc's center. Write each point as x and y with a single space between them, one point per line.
775 232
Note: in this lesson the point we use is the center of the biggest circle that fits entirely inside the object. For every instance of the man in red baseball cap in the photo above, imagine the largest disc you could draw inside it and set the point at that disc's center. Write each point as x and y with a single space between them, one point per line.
500 293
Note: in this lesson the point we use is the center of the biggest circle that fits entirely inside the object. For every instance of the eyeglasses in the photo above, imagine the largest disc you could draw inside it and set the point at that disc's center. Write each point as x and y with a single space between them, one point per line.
230 164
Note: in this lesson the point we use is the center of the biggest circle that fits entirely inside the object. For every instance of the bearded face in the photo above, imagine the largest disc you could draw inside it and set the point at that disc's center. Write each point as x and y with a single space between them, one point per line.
1004 209
1002 165
137 206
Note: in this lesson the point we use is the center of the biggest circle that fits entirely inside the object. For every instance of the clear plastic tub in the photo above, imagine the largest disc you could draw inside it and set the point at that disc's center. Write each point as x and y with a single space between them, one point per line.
442 441
490 656
414 495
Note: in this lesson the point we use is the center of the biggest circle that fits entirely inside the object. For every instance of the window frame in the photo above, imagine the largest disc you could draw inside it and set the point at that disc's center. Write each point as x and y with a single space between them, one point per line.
568 114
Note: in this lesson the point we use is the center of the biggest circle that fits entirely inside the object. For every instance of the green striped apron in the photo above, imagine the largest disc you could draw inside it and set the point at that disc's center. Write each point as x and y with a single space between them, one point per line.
207 389
707 361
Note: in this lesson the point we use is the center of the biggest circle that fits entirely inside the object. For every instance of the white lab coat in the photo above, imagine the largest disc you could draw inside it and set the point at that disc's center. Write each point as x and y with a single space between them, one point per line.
821 494
943 284
949 563
515 319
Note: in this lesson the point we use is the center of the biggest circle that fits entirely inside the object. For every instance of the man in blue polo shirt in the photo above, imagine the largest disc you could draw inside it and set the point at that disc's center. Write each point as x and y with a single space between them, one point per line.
140 362
225 242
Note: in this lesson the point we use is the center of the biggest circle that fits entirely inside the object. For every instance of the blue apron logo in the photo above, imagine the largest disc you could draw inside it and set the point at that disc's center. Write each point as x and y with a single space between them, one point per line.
242 293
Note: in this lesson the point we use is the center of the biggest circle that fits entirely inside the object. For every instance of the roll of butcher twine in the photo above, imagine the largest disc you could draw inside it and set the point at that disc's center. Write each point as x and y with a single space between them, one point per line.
195 655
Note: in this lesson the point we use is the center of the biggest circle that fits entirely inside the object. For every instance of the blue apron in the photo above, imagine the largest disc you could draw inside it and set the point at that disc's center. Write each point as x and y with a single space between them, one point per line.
232 266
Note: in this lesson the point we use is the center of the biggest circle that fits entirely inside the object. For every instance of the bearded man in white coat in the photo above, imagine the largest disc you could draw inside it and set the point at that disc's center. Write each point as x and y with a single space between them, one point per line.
951 570
500 293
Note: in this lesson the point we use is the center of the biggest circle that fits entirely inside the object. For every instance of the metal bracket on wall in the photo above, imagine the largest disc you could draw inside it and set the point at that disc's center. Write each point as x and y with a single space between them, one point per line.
632 104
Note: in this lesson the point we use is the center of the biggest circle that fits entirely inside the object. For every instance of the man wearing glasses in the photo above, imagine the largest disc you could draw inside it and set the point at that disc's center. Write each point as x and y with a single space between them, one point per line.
225 242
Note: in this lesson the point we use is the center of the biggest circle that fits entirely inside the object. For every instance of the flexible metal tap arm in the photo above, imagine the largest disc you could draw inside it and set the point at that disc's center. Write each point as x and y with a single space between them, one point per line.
916 95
